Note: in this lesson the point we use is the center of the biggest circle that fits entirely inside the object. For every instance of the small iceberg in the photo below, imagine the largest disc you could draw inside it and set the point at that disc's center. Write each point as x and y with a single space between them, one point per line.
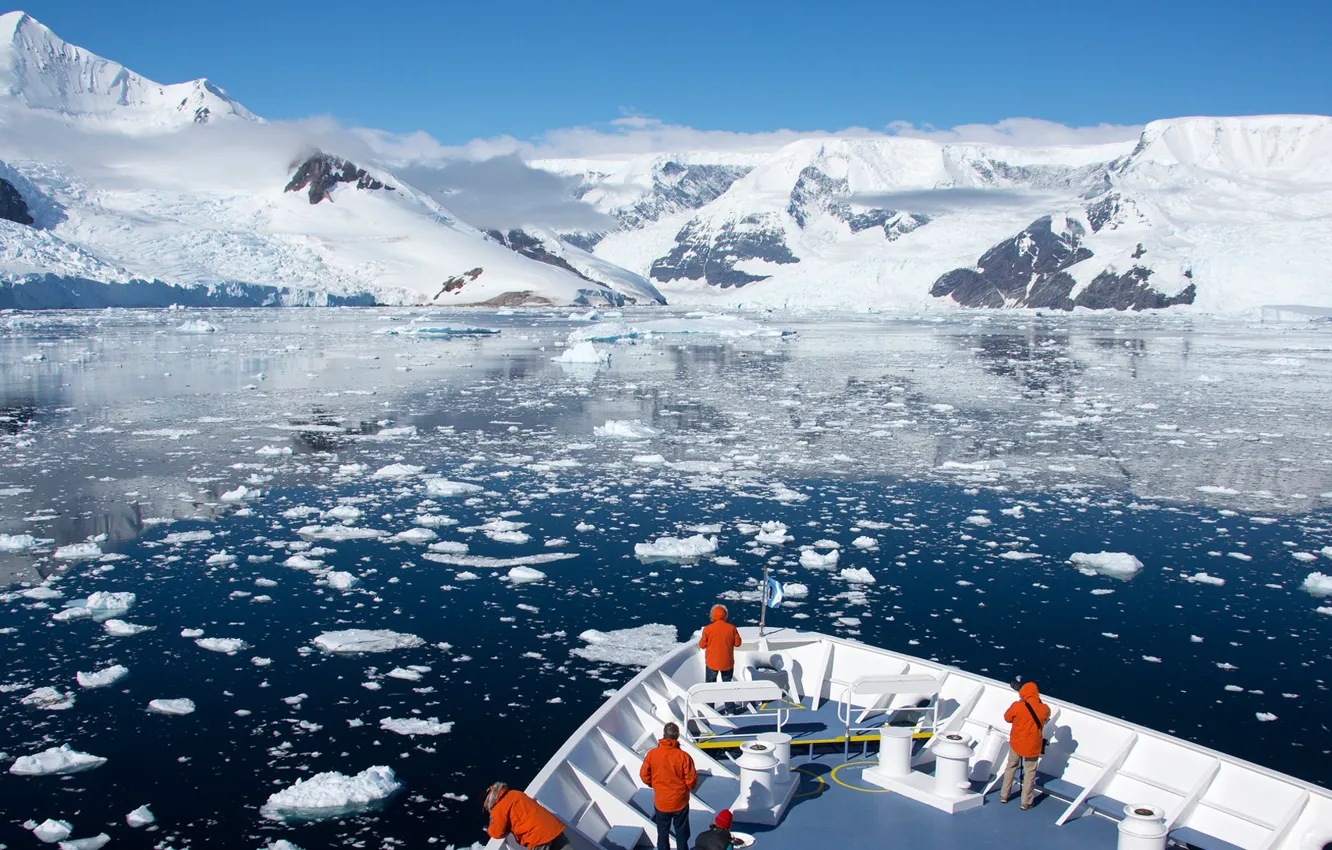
196 326
636 647
56 760
625 429
676 549
583 353
1120 565
415 726
351 641
333 795
173 707
102 678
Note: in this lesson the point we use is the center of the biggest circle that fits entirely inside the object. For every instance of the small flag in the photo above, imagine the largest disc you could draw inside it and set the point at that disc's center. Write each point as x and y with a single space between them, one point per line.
772 593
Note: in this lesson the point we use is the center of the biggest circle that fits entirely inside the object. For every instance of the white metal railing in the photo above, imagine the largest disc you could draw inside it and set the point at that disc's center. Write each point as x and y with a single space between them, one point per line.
721 693
914 684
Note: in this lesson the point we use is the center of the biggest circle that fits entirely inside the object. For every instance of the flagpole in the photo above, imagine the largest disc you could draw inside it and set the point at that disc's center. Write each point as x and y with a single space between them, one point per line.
763 601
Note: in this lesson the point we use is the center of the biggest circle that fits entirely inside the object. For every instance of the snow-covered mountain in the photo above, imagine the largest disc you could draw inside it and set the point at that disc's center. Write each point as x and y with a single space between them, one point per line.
117 190
1221 213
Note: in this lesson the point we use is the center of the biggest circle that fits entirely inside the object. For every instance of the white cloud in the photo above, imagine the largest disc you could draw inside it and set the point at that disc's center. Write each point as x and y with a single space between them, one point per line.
1019 132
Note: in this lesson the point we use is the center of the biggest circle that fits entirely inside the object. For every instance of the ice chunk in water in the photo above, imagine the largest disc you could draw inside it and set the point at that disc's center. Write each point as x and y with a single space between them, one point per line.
19 542
625 429
50 831
1120 565
49 699
339 580
103 601
56 760
366 640
673 548
102 678
857 575
226 645
142 816
78 552
1204 578
97 842
398 471
332 795
636 647
525 575
196 326
415 726
176 707
1318 584
814 561
120 628
444 489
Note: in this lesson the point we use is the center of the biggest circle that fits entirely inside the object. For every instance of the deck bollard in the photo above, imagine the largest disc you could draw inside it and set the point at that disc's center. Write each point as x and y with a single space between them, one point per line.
895 750
1143 828
952 765
781 748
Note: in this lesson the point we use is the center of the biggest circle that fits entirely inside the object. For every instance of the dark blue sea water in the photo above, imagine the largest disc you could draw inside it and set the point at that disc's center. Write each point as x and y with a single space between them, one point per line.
897 432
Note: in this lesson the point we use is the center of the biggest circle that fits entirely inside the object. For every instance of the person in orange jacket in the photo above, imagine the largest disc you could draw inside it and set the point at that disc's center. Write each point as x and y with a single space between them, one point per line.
718 643
532 825
669 772
1026 741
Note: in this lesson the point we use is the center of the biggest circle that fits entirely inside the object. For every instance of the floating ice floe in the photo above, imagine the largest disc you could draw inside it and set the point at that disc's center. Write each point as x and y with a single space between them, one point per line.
444 489
96 842
333 795
857 575
196 326
466 575
41 593
120 628
339 580
677 549
142 816
338 533
979 520
636 647
240 494
179 537
414 536
1120 565
625 429
524 575
415 726
583 352
1204 578
303 562
50 831
220 559
793 590
49 699
223 645
351 641
102 678
1317 584
77 552
273 451
1265 716
398 472
649 460
482 562
815 561
103 601
865 543
20 542
174 707
1014 555
56 760
345 514
773 534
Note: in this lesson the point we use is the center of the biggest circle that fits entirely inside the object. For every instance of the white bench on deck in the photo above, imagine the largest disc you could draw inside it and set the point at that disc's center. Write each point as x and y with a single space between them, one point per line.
920 685
720 693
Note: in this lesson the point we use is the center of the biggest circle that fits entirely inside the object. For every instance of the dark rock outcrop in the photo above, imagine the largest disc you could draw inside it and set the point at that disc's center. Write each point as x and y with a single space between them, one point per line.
12 206
1030 270
677 187
816 192
1025 271
701 254
522 242
321 173
458 281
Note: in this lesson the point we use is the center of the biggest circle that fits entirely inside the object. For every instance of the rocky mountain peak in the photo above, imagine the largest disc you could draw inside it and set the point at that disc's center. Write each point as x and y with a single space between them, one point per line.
320 173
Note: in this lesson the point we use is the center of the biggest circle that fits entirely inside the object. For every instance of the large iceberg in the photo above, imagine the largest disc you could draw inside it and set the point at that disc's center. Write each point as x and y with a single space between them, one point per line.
333 795
350 641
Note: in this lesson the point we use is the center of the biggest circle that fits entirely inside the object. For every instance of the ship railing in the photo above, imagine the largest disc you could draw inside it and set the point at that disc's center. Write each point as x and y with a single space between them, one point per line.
917 686
762 693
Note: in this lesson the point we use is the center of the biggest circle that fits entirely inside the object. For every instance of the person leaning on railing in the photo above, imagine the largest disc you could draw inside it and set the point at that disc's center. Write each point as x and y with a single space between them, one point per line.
718 643
512 811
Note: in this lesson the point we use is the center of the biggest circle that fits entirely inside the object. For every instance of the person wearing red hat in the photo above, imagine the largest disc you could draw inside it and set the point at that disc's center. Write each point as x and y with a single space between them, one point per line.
718 836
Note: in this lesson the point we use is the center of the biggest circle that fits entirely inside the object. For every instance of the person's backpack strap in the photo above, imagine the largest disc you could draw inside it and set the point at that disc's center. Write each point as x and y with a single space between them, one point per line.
1039 725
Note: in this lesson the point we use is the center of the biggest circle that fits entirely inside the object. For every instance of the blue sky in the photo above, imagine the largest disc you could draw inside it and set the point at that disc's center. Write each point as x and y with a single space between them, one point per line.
461 71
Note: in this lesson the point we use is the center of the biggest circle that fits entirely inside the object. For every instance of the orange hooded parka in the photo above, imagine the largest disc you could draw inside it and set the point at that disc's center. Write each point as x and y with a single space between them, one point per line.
719 639
527 819
669 772
1025 739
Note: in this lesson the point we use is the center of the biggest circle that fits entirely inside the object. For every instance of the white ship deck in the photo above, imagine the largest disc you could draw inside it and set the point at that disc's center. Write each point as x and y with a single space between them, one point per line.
820 685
